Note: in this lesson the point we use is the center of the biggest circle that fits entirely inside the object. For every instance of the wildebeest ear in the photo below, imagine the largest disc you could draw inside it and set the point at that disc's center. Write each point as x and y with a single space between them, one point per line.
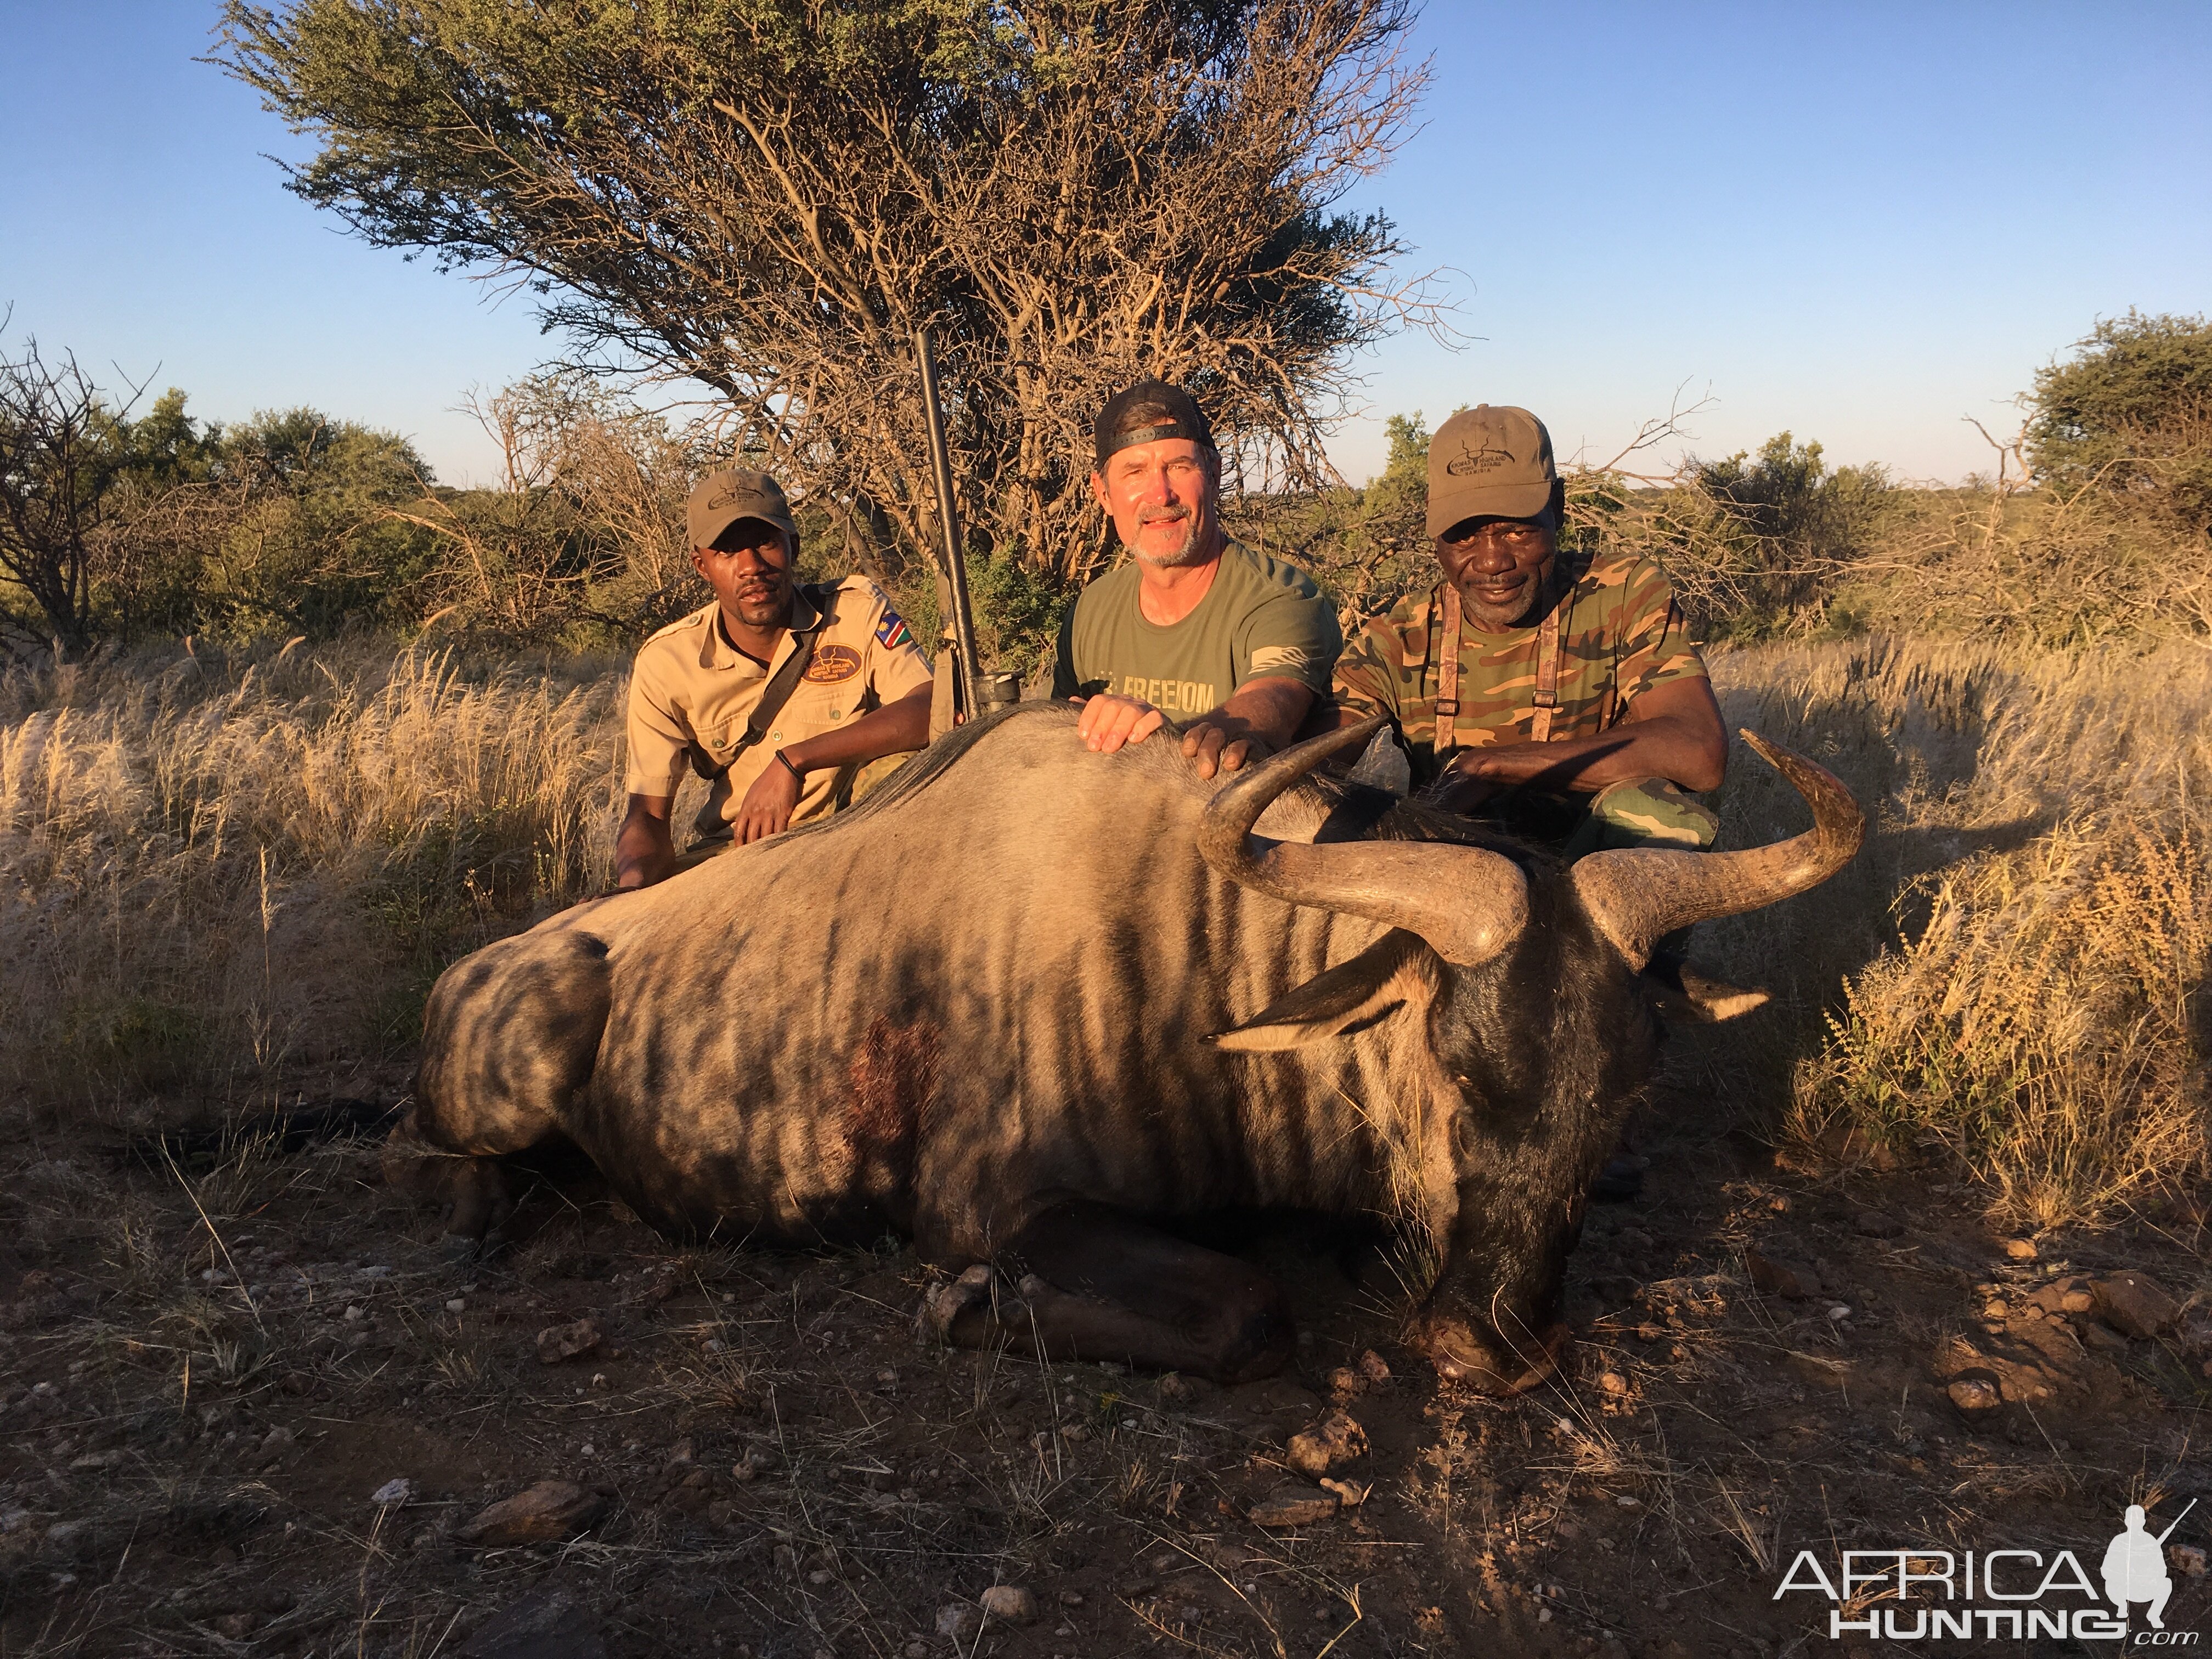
1683 992
1347 998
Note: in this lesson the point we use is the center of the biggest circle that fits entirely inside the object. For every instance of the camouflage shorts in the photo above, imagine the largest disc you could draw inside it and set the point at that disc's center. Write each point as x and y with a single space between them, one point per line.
1643 813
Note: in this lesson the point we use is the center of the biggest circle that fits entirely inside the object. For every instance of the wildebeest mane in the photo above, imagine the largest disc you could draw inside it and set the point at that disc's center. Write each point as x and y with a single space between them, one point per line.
925 766
1350 811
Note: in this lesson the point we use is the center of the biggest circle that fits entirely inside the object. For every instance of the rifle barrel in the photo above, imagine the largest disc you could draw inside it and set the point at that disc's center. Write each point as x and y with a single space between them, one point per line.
2178 1520
969 681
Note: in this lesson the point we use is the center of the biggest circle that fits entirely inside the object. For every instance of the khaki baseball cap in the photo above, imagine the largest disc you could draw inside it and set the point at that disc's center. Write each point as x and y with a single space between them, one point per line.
720 499
1489 461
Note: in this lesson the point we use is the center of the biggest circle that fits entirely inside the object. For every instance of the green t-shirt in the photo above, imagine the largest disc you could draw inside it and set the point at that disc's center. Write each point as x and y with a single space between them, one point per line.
1261 617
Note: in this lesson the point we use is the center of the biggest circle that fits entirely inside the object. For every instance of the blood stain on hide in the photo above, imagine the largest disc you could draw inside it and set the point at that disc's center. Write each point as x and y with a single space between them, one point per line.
893 1077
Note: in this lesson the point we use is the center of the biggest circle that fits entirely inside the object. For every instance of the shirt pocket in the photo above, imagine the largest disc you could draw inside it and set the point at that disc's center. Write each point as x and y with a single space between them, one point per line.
815 709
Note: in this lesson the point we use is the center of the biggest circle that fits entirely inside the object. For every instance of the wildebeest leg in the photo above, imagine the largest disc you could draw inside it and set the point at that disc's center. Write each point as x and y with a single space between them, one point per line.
509 1034
477 1193
1091 1282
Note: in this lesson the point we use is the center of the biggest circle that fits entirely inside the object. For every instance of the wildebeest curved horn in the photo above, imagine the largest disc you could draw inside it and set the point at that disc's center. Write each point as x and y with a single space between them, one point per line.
1468 902
1637 897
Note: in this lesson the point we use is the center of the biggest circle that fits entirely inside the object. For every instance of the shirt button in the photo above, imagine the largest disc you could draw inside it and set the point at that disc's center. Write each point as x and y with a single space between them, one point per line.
775 737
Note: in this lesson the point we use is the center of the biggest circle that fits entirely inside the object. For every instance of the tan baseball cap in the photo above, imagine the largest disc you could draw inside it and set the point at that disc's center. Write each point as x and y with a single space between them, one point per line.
720 499
1486 461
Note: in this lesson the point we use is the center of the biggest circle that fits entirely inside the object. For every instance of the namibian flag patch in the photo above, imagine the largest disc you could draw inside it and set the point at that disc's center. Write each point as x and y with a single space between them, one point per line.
891 632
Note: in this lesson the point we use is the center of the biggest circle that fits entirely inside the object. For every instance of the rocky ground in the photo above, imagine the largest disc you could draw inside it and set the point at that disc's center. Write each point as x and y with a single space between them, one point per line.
252 1403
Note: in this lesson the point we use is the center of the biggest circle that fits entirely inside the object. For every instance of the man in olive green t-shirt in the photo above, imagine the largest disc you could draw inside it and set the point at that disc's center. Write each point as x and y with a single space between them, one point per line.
1195 628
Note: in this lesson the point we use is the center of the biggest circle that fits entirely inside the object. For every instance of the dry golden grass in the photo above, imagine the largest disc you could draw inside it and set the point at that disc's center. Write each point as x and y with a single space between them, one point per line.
215 866
2042 1029
2033 1007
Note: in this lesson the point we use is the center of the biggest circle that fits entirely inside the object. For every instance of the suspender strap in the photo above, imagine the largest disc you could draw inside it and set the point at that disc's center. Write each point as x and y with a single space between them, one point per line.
1448 675
1547 672
1549 652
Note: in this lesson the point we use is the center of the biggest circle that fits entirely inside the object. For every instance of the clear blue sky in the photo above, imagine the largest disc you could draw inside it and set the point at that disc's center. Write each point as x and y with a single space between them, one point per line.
1859 222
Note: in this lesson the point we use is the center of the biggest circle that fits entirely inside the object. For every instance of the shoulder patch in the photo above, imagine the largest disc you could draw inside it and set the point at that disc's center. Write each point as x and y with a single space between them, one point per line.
1293 657
891 631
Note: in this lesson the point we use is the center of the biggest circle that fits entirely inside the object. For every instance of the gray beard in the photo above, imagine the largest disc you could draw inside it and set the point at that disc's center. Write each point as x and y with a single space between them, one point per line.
1512 616
1185 555
1524 610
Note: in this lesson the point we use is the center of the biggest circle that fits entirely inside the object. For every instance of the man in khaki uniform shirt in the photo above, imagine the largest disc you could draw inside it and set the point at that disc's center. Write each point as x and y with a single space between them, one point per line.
864 693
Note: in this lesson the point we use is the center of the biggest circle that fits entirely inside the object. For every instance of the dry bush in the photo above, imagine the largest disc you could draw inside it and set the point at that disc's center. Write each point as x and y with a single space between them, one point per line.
216 866
2015 962
2044 1028
1991 560
581 537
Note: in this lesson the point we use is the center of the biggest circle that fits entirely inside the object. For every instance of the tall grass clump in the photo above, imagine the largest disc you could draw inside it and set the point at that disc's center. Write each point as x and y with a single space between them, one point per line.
218 865
2011 975
2044 1029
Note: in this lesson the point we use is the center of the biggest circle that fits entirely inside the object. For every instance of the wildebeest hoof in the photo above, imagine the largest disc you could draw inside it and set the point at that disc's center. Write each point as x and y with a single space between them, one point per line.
944 1303
1487 1366
458 1251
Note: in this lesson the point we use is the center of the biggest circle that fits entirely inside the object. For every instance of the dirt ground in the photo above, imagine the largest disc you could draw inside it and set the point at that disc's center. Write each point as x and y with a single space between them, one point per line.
253 1401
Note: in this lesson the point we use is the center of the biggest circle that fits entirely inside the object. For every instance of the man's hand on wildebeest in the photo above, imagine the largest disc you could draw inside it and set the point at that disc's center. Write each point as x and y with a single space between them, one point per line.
1255 723
1260 717
1110 720
1217 743
1672 731
768 803
645 848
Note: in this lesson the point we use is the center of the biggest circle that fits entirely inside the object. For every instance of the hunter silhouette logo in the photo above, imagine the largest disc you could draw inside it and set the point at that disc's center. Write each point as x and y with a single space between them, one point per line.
2135 1567
1477 460
2004 1595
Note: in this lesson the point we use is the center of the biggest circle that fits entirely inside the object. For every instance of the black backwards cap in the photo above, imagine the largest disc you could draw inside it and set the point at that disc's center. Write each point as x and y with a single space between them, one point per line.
1145 413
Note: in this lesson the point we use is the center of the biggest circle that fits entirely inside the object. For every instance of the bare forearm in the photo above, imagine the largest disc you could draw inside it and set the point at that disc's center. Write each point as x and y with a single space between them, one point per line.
645 850
891 730
1672 731
1269 709
1668 747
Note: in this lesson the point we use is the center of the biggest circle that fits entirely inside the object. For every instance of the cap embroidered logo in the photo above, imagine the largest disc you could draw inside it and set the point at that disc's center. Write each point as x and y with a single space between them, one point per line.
1477 460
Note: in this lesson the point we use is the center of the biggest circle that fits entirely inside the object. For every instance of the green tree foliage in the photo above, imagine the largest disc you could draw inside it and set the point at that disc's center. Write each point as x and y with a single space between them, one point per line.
769 195
314 544
165 446
2131 413
1366 546
1754 543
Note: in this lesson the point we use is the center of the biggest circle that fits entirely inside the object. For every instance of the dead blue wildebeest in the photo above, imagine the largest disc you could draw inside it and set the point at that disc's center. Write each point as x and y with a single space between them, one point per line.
1033 1007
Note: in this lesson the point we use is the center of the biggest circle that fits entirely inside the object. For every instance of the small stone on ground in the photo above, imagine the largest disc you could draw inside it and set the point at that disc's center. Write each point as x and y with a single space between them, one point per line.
1335 1440
547 1512
1293 1506
558 1342
960 1621
547 1623
1010 1603
2136 1304
1786 1279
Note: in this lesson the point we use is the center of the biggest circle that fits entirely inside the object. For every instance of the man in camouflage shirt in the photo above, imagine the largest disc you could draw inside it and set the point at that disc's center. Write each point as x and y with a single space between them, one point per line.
1561 698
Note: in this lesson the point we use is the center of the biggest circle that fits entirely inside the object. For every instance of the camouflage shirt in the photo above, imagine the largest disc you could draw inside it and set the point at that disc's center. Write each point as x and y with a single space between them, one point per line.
1621 634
